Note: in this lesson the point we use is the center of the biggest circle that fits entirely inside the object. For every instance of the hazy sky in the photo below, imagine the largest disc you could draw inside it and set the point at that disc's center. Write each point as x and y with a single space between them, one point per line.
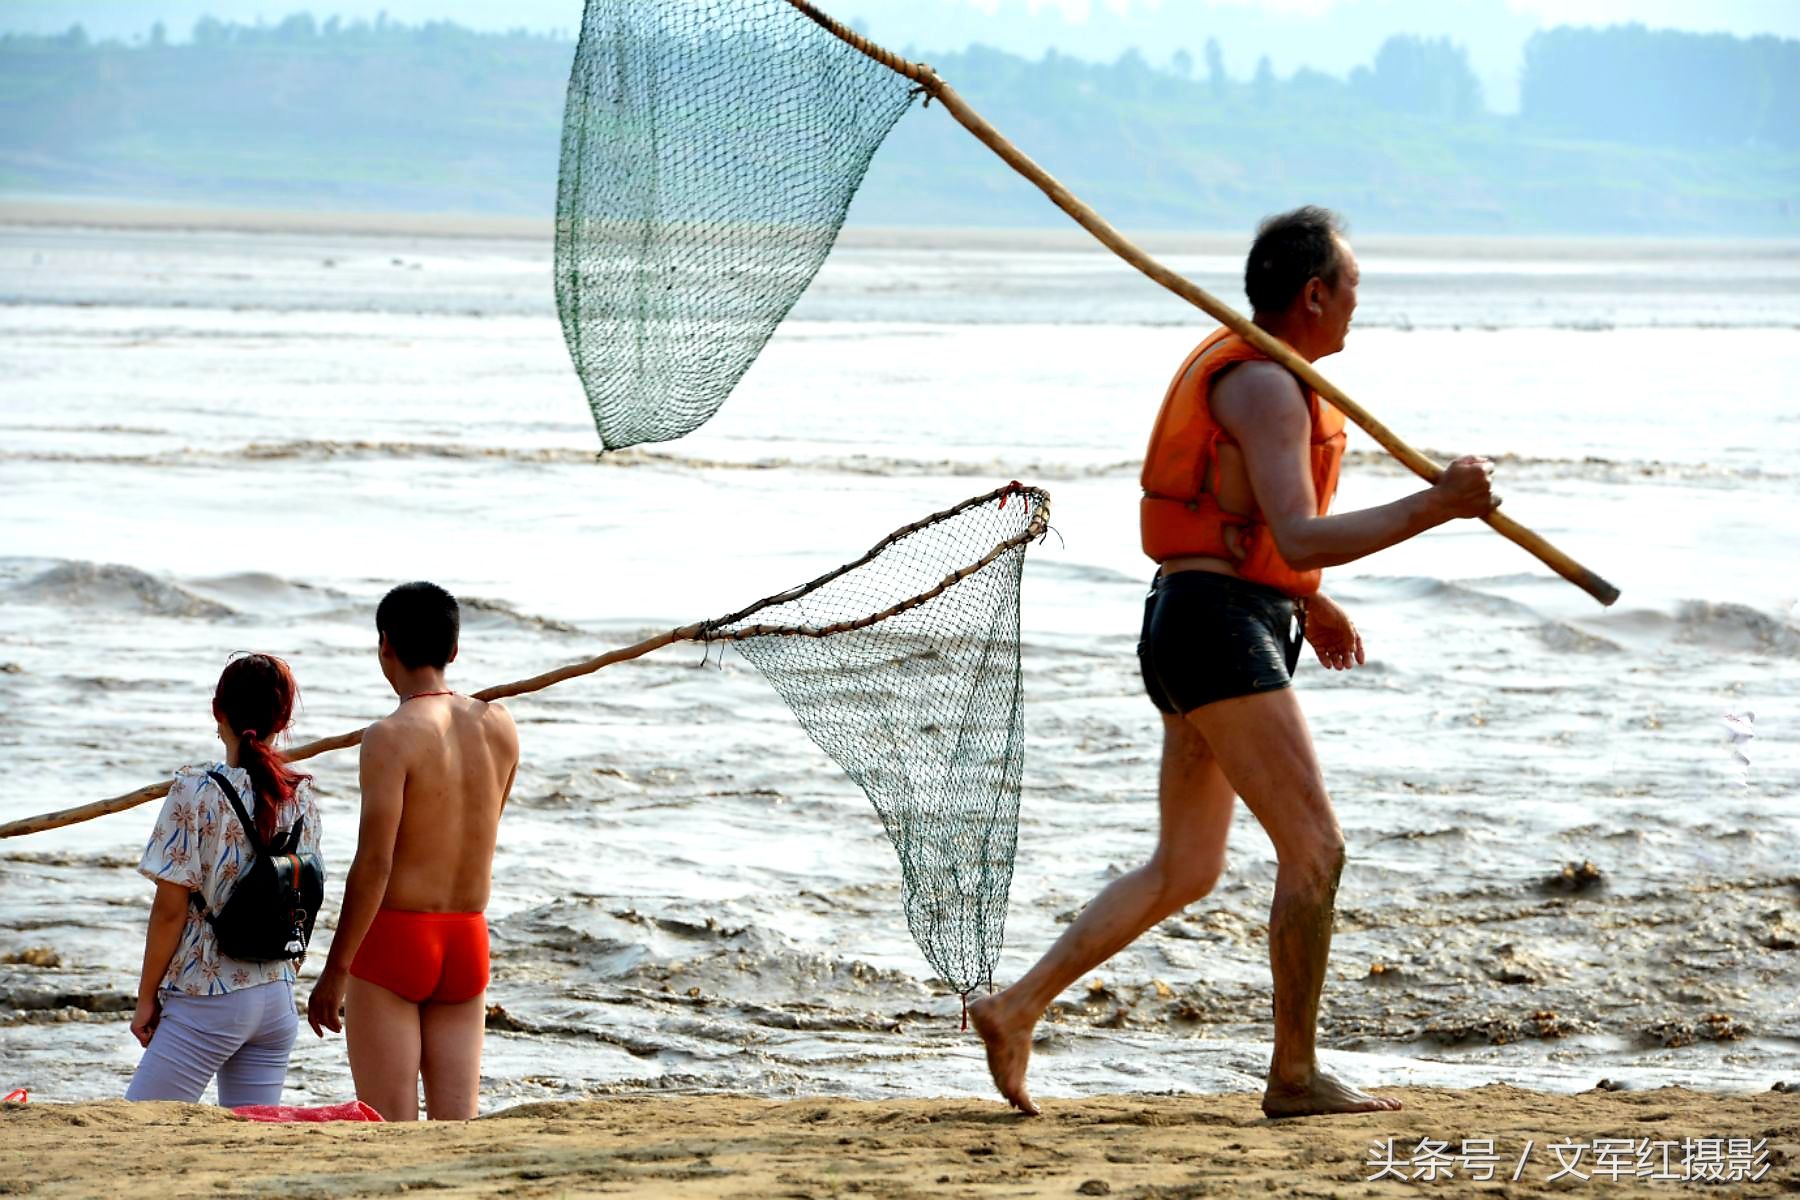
1330 35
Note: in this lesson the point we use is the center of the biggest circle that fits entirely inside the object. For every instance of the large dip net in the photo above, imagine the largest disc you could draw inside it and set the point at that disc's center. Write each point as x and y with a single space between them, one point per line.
903 665
710 150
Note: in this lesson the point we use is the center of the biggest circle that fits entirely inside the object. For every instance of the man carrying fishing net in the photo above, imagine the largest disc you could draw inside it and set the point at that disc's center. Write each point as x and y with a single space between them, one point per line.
1238 479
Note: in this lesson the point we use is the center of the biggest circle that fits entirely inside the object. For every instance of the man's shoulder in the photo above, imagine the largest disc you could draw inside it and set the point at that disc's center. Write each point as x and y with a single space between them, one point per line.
391 733
498 723
1260 393
1256 378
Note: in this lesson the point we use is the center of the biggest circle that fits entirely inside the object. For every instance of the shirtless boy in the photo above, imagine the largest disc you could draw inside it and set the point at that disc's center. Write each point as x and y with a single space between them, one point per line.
1238 481
408 968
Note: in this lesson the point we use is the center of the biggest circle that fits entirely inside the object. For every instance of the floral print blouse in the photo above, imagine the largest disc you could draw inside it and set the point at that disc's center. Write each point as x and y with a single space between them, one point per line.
200 844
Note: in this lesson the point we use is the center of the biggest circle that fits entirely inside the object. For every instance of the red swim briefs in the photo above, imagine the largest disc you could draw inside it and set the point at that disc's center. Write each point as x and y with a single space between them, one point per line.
441 958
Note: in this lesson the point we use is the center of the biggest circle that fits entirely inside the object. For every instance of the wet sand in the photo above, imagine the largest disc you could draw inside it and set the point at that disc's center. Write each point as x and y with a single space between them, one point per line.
1139 1147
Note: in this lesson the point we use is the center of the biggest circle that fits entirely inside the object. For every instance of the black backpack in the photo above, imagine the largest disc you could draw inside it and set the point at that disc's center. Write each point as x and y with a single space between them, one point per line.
269 914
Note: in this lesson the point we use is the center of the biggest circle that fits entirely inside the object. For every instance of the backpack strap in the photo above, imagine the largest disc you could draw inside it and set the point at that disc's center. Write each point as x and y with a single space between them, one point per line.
237 806
287 841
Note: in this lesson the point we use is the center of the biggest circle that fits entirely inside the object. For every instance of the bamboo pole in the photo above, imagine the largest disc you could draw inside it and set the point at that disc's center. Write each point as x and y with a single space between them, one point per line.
703 631
1270 345
342 741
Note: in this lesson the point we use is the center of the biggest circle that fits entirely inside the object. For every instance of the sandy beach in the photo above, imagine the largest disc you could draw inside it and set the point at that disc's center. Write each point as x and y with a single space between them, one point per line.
1137 1147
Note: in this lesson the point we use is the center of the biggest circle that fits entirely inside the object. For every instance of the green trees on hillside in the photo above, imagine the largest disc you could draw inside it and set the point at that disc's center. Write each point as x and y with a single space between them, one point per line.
1623 130
1656 87
1429 77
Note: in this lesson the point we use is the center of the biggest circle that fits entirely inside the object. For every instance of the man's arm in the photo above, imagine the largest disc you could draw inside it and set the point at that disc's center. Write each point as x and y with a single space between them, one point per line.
1263 408
383 774
509 746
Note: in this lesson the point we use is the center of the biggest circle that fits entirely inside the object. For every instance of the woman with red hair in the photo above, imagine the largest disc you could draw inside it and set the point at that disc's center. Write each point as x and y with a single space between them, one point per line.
201 1013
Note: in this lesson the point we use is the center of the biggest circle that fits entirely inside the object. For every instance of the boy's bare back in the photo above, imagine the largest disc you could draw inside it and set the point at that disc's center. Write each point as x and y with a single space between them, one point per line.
408 970
456 757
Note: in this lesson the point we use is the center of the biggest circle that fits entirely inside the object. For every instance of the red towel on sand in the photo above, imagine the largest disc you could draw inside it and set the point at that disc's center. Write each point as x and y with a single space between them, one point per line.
350 1110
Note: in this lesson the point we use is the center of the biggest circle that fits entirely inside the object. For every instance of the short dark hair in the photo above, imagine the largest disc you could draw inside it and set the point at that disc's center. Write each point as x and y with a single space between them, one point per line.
1290 249
421 621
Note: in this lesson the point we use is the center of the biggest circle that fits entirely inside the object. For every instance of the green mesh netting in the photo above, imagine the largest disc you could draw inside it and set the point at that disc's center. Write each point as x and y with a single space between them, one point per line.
710 150
904 667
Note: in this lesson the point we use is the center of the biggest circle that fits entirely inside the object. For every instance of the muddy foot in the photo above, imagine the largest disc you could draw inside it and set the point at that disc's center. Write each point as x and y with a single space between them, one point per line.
1008 1043
1319 1095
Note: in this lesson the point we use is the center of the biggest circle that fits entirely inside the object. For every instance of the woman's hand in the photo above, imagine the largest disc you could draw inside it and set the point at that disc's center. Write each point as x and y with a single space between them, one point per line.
145 1020
1332 635
168 917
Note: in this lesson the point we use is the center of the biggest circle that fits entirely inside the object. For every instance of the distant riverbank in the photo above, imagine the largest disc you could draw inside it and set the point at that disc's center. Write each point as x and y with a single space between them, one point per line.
437 118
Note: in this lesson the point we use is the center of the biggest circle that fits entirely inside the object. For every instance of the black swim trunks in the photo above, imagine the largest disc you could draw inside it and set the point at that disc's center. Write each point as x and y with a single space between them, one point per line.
1210 637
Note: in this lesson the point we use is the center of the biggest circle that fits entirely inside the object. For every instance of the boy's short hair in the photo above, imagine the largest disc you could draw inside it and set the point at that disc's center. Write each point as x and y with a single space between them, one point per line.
421 621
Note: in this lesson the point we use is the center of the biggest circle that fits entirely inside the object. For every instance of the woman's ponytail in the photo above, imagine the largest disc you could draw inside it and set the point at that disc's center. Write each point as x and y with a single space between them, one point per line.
255 697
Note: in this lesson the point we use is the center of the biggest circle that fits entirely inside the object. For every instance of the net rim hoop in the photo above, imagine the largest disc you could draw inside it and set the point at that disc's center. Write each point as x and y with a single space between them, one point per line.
1035 528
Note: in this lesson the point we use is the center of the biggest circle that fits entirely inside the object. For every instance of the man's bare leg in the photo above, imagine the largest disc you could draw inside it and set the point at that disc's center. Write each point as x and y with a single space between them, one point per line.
1195 806
451 1057
381 1033
1266 751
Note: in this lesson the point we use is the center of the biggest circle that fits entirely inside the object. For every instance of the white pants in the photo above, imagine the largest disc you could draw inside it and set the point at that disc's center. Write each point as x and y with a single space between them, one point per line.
243 1037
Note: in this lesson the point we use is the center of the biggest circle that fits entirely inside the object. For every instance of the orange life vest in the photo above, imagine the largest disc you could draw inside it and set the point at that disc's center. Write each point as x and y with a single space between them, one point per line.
1180 516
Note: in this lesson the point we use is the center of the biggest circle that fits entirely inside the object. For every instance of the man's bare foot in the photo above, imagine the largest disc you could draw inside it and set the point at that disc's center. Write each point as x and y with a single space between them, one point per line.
1319 1095
1008 1042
